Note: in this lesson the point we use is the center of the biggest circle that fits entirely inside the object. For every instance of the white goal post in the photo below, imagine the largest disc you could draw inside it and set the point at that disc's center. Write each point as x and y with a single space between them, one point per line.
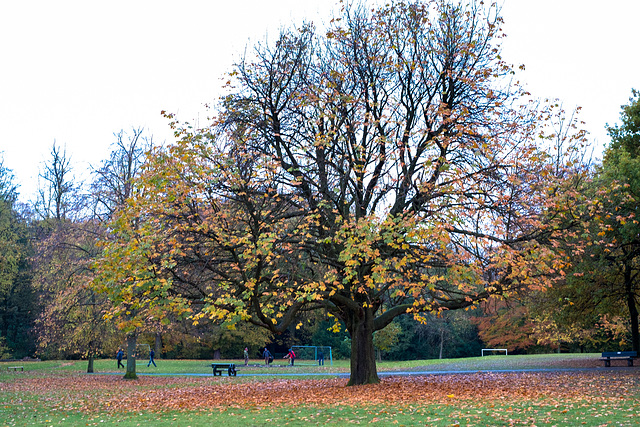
494 349
312 354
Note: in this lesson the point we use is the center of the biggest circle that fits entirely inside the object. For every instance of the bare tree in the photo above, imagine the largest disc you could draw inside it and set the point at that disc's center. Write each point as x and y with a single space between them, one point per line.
57 194
113 182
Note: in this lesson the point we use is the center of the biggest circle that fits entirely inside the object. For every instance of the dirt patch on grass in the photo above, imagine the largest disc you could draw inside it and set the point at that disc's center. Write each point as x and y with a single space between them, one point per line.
578 363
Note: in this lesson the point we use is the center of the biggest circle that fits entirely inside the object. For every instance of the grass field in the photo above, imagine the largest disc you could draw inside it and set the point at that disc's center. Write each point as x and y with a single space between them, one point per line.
465 392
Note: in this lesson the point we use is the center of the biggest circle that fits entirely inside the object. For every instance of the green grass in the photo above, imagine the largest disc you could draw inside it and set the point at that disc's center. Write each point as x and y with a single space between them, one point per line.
177 367
501 362
542 361
45 408
528 413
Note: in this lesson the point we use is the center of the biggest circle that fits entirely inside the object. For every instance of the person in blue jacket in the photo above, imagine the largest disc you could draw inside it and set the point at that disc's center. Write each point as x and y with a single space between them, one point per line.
267 356
151 356
119 356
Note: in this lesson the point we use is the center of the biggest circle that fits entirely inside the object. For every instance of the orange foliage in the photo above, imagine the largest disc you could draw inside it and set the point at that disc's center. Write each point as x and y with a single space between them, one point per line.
508 327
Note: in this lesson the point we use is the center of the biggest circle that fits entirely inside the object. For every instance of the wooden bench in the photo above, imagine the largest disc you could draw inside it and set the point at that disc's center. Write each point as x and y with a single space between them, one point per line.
14 368
608 356
219 367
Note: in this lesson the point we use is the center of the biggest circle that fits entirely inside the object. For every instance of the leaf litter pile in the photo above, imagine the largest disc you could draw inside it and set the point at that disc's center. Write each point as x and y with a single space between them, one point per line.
156 394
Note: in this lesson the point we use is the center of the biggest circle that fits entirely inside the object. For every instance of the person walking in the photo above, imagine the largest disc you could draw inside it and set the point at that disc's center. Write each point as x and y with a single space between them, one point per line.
151 356
119 356
267 356
320 358
246 356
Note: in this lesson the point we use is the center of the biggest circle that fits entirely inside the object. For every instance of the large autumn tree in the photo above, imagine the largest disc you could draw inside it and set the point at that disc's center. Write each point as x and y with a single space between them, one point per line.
113 185
386 167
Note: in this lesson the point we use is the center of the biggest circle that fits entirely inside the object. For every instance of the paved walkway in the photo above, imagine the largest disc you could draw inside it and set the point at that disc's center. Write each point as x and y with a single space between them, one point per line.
390 373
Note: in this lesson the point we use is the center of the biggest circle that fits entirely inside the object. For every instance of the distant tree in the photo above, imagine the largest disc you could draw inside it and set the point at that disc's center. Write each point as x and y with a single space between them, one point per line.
615 212
324 334
506 325
57 192
386 338
442 335
18 303
602 248
228 342
582 311
114 179
72 320
626 135
452 334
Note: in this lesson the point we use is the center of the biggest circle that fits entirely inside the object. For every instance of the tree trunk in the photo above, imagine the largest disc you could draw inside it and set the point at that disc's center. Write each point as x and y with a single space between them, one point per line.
633 309
441 341
217 355
131 358
363 354
158 344
90 364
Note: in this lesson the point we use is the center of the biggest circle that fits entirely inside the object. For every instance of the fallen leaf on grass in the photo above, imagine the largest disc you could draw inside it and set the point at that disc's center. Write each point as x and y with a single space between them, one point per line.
87 392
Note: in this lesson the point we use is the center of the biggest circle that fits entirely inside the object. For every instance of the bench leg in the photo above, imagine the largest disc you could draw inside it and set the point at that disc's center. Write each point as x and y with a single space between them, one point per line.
607 363
630 362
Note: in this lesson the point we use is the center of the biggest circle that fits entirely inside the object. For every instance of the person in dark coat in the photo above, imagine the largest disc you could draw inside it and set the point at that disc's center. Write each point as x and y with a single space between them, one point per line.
267 356
119 356
151 356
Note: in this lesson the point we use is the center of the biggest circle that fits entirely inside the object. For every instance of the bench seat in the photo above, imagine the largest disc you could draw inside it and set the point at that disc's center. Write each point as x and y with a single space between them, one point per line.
608 356
219 367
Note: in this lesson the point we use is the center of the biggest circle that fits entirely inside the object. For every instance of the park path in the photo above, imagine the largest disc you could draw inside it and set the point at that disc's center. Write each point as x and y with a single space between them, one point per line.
406 373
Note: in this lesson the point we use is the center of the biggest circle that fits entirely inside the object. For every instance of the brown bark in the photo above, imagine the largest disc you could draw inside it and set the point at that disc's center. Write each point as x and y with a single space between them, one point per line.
90 365
363 360
633 308
158 344
131 358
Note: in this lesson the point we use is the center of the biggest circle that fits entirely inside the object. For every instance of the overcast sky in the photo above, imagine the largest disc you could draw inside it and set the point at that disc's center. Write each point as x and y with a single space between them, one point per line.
78 71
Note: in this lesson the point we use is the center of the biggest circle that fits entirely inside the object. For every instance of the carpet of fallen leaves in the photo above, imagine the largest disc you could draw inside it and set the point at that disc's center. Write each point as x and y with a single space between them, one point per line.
98 392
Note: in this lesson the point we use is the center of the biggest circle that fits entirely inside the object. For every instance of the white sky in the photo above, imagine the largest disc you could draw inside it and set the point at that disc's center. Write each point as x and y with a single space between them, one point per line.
78 71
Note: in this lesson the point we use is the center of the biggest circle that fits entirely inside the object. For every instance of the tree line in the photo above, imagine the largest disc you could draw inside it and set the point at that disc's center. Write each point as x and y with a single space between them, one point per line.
381 175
